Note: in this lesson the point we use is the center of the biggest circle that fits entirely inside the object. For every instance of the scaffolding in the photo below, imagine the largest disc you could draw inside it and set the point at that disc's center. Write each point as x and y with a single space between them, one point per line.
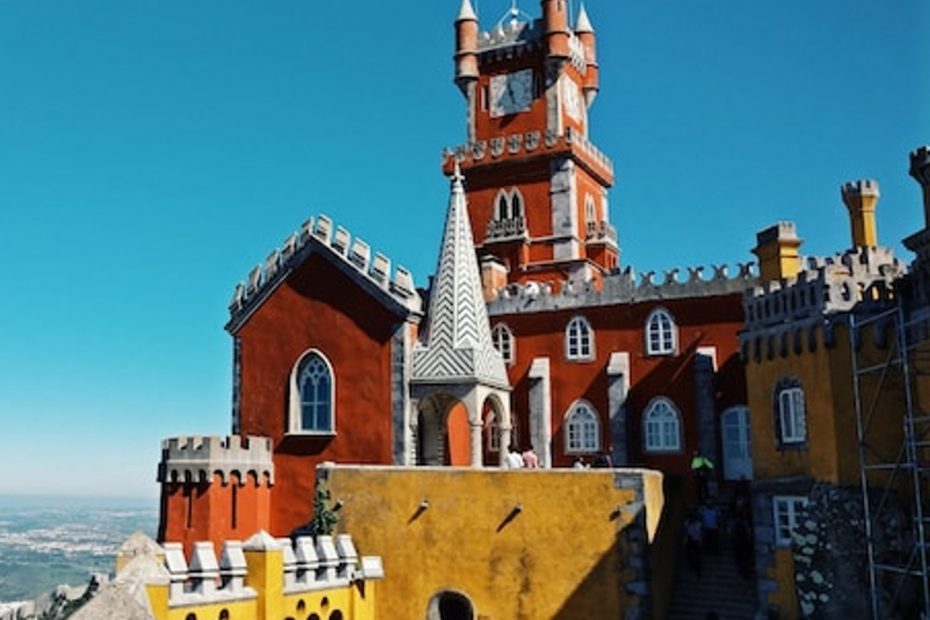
891 370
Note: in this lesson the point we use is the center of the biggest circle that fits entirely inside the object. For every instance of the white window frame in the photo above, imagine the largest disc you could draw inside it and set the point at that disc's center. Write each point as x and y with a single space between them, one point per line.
504 342
792 415
579 339
785 509
662 435
590 210
295 409
666 334
582 436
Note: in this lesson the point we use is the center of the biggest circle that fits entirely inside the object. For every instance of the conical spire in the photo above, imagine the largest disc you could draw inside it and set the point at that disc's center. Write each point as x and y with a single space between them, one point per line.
583 24
458 346
467 12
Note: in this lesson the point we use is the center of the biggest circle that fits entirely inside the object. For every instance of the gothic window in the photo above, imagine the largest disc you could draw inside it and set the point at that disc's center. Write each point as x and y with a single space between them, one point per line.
786 511
503 207
313 391
590 214
503 342
662 426
790 418
516 204
661 333
582 429
579 339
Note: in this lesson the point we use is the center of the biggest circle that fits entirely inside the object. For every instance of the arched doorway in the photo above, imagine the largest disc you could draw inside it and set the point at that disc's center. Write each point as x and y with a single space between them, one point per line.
443 432
735 441
448 605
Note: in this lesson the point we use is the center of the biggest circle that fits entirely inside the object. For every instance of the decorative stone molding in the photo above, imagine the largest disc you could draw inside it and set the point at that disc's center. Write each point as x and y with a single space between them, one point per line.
513 39
196 459
320 235
622 287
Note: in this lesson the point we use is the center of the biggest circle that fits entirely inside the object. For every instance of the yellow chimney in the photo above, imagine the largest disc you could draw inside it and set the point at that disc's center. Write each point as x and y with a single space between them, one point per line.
860 198
777 250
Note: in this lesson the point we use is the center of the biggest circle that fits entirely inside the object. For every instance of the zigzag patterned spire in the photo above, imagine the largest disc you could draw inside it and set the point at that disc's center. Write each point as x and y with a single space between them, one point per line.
458 345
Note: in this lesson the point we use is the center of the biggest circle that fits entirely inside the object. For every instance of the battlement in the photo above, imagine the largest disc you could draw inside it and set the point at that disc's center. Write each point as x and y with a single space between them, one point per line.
515 146
322 235
827 285
920 165
196 459
862 187
515 38
309 564
622 287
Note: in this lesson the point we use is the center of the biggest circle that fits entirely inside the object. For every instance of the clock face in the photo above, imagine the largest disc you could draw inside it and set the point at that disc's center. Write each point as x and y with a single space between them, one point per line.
511 92
571 95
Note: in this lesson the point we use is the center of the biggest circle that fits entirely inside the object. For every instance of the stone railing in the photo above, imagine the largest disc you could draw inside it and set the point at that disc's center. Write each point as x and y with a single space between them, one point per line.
321 234
198 458
622 287
601 231
520 144
514 227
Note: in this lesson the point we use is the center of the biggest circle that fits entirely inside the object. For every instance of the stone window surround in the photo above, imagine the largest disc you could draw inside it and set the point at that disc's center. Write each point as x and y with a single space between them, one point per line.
504 342
652 409
665 333
578 408
580 330
790 507
294 413
790 386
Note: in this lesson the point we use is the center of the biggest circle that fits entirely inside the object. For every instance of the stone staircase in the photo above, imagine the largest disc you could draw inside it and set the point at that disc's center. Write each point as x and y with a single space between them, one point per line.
720 588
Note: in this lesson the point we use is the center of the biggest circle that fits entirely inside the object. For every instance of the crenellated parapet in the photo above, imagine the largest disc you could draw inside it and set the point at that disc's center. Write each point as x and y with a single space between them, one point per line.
309 564
519 145
371 269
513 38
793 315
197 459
624 287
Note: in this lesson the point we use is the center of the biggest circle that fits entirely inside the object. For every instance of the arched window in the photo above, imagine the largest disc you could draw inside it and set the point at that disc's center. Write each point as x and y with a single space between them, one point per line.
503 209
503 342
590 214
313 390
336 615
661 333
516 204
224 614
791 416
579 339
582 429
662 426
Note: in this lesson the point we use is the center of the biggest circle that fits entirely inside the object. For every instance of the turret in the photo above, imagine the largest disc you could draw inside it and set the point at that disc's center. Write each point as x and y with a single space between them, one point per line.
585 33
860 198
920 170
555 22
777 249
466 46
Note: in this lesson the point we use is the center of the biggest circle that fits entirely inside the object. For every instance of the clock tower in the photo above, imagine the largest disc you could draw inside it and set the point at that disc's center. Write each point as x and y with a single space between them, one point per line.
536 185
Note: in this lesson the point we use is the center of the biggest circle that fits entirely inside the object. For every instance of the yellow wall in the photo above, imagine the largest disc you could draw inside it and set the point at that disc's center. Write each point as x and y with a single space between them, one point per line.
784 595
561 556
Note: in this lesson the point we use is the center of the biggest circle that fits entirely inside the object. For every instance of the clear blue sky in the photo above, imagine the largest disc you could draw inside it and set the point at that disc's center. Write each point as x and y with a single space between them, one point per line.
152 153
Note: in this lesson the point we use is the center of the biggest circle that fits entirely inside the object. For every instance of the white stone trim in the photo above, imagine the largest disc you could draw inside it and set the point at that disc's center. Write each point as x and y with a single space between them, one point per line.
294 412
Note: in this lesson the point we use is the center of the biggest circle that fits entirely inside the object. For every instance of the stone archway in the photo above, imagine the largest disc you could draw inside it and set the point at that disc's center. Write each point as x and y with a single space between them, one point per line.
450 605
443 432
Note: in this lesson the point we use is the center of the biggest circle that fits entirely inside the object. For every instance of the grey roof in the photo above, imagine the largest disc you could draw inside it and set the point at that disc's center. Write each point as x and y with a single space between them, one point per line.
583 24
457 345
467 12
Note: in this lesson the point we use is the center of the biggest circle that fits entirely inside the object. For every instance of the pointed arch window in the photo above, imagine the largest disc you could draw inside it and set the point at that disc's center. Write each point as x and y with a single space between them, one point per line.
504 342
791 419
661 333
590 213
662 426
507 217
516 204
579 339
582 429
313 390
503 207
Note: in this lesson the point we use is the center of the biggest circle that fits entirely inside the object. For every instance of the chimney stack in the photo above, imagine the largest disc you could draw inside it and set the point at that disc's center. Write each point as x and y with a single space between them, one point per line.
555 21
860 198
920 170
493 277
777 250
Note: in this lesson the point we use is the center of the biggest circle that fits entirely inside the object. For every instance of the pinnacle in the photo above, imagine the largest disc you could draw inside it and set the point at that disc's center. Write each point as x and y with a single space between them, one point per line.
467 13
583 24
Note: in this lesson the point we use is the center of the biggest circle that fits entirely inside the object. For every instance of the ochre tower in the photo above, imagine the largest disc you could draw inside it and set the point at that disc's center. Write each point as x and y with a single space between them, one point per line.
536 186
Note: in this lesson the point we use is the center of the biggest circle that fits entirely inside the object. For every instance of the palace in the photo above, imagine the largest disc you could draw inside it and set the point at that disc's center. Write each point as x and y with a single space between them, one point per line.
533 335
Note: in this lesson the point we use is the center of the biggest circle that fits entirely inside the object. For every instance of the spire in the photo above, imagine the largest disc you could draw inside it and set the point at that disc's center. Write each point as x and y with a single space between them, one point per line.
467 13
583 24
457 347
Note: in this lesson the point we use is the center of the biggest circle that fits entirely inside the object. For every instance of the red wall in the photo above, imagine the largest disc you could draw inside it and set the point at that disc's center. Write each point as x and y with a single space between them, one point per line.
708 321
317 307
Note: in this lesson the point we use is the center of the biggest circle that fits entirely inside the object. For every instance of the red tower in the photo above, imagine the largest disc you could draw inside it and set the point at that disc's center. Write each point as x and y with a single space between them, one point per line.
537 186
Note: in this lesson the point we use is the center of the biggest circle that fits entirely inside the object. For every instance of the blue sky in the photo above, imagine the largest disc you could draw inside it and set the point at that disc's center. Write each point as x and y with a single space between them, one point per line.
152 153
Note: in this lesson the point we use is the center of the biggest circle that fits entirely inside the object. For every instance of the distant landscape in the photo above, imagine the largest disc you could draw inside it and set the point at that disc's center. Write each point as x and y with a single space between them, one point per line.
47 541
